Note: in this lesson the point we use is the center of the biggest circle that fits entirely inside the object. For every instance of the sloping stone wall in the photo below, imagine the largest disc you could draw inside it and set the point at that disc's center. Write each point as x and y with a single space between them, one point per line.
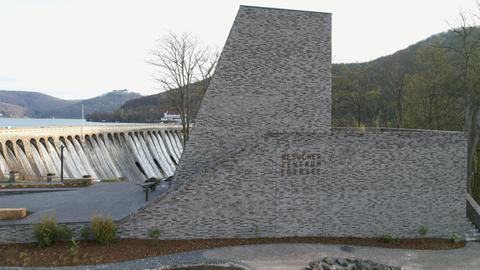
24 233
263 160
367 185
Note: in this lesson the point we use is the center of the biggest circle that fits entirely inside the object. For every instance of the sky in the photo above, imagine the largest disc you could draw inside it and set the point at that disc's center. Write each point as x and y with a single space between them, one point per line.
77 49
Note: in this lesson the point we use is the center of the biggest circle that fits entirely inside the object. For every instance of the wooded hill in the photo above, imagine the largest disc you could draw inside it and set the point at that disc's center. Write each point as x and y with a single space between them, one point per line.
38 105
148 108
413 88
417 87
29 104
107 102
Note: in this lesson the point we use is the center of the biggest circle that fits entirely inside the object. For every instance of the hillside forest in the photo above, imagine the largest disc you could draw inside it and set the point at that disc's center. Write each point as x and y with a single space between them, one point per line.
418 87
433 84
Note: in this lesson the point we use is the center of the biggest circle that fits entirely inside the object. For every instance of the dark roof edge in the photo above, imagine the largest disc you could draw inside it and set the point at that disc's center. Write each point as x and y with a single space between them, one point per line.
285 9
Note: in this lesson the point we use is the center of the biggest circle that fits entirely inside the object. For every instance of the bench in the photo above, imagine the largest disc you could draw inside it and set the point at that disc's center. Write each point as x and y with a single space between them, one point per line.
149 184
12 213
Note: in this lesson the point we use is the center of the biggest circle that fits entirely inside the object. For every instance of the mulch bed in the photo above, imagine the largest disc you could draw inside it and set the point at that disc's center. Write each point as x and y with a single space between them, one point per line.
207 268
62 253
19 186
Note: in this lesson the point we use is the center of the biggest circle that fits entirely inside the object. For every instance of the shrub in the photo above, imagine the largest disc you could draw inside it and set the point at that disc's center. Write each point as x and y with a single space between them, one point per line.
387 238
257 230
154 233
455 238
113 180
74 248
85 233
64 232
81 182
104 229
360 127
423 230
47 231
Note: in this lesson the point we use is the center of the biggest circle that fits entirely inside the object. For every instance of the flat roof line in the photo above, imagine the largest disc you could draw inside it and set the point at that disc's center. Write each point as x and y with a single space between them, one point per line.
285 9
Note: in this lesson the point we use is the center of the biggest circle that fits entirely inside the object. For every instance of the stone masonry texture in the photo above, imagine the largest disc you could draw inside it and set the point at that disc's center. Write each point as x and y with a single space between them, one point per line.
24 233
263 159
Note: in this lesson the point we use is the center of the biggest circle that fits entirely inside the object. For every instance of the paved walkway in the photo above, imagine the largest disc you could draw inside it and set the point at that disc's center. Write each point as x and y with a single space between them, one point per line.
297 256
79 204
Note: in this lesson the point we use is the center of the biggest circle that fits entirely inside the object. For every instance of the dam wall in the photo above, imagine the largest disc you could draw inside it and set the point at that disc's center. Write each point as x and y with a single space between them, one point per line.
132 152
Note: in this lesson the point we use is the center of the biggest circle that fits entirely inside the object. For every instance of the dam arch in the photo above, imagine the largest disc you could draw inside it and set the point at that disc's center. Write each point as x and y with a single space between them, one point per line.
4 169
20 144
104 152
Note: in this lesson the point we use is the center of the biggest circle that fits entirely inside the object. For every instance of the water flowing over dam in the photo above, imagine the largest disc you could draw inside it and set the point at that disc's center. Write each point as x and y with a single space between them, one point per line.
132 152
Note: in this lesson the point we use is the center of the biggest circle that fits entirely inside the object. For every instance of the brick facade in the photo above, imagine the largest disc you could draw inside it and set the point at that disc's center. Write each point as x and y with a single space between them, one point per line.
264 160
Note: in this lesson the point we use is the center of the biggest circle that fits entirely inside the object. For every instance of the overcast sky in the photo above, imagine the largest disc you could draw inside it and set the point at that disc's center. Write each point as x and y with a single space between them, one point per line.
82 48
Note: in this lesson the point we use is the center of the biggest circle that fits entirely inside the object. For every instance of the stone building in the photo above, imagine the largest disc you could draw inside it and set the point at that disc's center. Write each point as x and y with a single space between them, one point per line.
263 159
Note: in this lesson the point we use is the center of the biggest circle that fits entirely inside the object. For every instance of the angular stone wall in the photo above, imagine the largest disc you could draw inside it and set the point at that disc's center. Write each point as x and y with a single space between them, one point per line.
24 233
263 159
366 184
370 184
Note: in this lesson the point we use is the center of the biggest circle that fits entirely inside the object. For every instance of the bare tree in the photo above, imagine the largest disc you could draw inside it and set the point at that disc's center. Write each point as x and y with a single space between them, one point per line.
181 61
467 58
395 80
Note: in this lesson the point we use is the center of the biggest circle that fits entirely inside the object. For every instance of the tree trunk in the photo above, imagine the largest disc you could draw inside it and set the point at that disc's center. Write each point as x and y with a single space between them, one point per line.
473 115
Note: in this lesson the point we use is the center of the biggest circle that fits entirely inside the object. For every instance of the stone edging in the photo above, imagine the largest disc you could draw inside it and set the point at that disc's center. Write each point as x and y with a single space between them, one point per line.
330 263
185 259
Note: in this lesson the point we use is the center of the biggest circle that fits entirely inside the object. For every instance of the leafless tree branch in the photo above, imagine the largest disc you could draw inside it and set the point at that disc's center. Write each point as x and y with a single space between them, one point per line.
180 61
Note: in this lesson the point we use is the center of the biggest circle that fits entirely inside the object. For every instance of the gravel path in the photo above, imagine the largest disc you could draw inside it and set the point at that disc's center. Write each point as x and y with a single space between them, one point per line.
297 256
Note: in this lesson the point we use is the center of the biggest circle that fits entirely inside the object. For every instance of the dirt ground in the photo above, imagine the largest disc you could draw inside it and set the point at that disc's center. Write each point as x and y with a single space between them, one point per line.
68 254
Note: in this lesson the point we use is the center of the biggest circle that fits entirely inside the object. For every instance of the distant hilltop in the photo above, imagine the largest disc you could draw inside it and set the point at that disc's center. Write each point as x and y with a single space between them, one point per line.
38 105
361 92
148 108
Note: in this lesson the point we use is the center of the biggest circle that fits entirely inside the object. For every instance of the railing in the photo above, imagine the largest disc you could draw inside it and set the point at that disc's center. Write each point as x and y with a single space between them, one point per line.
22 178
84 129
475 187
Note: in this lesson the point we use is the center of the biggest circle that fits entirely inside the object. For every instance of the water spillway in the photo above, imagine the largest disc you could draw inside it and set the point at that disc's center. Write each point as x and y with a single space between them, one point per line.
132 152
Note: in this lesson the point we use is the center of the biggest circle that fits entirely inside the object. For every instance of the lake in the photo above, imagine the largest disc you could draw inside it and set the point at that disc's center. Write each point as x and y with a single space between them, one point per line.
46 122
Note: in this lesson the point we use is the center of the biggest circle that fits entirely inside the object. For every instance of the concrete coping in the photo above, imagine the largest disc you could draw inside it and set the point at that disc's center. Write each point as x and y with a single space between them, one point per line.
473 203
392 130
285 9
360 132
353 130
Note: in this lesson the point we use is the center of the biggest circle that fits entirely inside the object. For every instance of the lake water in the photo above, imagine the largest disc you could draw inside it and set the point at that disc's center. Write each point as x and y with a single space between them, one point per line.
47 122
